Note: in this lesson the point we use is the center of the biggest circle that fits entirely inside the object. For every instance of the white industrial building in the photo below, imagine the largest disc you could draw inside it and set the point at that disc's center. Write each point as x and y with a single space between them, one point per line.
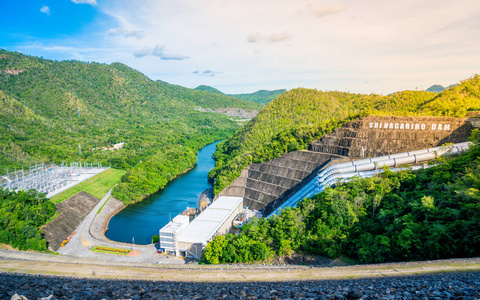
169 233
191 240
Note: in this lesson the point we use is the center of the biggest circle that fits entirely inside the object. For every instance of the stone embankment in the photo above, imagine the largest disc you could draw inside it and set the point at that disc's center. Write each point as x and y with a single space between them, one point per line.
100 223
441 286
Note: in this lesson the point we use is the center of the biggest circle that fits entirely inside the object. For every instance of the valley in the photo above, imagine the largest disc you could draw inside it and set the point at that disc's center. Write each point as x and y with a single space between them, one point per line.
267 154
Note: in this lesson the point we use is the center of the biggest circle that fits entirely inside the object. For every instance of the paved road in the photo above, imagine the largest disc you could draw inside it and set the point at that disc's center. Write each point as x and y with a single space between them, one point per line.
82 241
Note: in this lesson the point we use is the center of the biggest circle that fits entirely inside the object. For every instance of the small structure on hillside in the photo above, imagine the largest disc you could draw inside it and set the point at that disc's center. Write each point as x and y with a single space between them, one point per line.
118 146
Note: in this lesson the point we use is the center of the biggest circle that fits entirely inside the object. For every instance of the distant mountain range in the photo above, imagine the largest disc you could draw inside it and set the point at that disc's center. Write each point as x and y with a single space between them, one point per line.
262 97
436 88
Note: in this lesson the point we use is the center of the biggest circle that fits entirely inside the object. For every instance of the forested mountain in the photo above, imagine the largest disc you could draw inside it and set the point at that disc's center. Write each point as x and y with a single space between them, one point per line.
210 89
300 116
48 108
436 88
262 96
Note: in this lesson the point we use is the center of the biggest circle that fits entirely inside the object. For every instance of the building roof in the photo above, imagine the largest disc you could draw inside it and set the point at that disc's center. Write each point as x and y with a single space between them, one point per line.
177 224
205 225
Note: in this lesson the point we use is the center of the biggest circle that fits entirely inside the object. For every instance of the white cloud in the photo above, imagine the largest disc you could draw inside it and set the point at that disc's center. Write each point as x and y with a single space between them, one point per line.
278 37
138 34
207 73
273 44
254 37
272 38
45 9
328 10
91 2
158 51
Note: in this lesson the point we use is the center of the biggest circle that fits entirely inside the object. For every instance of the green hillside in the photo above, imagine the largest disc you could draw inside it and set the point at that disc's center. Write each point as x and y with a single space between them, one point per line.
207 88
48 108
300 116
262 97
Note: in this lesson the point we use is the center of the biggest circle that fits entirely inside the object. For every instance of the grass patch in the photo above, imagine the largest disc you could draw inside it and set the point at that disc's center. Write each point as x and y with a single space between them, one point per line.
97 186
111 250
100 209
345 261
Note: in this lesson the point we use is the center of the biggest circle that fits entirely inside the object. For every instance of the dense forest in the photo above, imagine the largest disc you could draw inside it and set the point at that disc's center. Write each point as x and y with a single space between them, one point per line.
21 216
394 216
300 116
48 108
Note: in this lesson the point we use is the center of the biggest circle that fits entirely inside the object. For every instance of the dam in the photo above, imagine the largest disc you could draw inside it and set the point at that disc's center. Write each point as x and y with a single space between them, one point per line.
266 186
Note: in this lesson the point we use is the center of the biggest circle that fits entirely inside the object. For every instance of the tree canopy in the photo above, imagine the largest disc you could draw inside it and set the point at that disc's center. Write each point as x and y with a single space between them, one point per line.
21 215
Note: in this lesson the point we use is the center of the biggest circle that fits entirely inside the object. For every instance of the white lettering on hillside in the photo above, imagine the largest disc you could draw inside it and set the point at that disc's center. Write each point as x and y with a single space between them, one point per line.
409 126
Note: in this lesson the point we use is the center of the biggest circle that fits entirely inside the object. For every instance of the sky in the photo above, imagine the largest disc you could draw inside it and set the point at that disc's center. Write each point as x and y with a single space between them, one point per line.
241 46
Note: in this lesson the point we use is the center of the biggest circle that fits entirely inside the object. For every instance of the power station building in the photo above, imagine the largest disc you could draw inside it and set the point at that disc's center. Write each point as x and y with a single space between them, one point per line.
190 239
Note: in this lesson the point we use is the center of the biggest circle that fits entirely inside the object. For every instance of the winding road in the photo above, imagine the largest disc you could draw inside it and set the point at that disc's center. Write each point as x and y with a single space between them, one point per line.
82 242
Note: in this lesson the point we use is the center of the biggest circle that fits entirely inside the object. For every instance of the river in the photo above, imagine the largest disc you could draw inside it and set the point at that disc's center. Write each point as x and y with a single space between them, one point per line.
142 220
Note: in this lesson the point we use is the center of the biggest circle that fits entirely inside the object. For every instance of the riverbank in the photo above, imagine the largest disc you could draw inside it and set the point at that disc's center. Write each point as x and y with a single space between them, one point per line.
143 220
90 234
100 223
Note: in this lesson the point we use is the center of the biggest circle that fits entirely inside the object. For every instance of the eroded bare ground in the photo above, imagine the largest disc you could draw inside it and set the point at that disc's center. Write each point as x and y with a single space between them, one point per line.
33 263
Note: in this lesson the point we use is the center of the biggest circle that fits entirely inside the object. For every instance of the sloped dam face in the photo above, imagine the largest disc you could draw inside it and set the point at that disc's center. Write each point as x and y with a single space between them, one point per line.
267 185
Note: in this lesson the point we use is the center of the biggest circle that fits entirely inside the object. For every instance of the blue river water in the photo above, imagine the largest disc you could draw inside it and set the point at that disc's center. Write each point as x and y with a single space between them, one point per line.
142 220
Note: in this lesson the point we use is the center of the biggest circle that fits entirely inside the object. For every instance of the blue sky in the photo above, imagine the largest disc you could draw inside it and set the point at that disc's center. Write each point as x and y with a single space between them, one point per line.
239 46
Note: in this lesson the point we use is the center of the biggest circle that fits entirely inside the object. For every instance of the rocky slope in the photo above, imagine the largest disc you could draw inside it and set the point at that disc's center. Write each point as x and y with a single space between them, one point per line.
440 286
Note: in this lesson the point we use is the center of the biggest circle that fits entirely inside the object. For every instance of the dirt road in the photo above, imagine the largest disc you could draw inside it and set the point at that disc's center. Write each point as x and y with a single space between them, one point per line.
33 263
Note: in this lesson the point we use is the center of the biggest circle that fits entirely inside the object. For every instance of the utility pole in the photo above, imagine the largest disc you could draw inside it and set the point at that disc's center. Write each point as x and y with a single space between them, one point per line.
79 150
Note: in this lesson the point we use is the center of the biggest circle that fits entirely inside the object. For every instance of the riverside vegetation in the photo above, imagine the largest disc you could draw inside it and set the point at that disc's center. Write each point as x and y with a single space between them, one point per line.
395 216
48 108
